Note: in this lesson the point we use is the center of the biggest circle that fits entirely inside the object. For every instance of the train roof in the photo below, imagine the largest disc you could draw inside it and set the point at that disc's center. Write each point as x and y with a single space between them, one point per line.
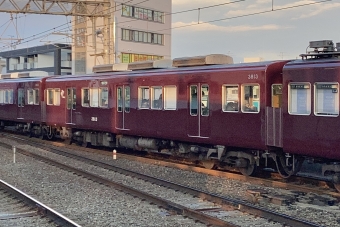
155 72
21 80
323 52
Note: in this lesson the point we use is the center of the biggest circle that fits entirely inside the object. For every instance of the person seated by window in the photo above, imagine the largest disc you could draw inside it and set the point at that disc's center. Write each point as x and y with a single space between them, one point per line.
232 106
248 107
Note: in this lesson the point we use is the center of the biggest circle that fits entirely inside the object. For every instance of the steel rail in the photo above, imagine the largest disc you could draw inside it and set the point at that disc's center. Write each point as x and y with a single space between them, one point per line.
42 209
239 204
197 215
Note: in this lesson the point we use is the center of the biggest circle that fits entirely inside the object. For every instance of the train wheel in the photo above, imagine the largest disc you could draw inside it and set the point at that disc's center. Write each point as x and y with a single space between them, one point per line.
208 164
49 133
250 170
286 169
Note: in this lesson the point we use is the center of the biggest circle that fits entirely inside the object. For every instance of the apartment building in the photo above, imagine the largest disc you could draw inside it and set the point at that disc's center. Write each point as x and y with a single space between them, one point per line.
55 59
141 31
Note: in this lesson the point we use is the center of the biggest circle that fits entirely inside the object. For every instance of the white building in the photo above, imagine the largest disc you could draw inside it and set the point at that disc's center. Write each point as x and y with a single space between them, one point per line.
141 31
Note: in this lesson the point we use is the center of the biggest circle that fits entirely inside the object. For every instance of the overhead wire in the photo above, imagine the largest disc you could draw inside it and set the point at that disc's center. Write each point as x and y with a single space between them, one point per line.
40 35
190 10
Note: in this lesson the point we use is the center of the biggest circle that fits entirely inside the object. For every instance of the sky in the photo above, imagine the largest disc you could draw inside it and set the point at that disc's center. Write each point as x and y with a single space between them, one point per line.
267 29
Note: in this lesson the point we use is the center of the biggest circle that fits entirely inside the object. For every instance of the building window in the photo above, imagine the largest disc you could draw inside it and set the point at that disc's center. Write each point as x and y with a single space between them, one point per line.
299 99
142 14
326 99
128 57
144 37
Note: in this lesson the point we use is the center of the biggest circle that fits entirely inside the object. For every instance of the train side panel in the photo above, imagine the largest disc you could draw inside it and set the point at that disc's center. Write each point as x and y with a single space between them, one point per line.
73 112
310 89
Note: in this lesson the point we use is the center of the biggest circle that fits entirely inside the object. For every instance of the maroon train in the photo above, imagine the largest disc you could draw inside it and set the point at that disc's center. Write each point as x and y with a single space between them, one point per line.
268 114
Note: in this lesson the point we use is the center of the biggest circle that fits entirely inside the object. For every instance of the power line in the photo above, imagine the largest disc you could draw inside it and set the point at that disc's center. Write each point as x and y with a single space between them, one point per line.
205 22
252 14
34 37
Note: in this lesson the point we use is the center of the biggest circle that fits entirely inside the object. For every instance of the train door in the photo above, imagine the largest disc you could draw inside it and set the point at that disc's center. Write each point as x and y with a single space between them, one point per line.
70 105
21 102
123 107
274 117
199 111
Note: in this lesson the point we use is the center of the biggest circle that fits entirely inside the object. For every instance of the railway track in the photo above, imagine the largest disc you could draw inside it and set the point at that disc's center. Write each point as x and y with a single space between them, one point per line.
211 206
19 209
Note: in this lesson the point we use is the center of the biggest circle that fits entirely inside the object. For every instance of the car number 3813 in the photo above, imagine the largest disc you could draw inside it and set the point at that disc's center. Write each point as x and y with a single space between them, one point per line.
253 76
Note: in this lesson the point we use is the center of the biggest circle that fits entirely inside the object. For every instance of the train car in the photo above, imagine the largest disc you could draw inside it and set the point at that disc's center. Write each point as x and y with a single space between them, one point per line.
83 102
21 102
311 106
215 113
268 114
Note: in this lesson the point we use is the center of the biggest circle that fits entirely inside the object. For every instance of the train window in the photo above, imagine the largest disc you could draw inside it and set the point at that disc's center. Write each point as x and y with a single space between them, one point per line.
36 96
21 97
143 98
85 97
50 96
230 98
205 100
299 101
32 96
56 101
326 99
94 97
276 95
71 98
11 96
8 99
157 98
250 98
170 98
193 100
104 97
2 98
119 99
127 99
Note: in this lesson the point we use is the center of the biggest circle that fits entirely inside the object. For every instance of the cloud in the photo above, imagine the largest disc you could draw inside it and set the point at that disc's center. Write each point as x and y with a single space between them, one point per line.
197 2
266 5
319 10
193 26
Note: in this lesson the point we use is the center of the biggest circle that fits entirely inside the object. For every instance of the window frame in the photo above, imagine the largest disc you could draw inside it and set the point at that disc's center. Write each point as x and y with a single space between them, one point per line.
245 105
83 103
308 101
103 104
94 98
335 90
141 97
156 99
226 101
